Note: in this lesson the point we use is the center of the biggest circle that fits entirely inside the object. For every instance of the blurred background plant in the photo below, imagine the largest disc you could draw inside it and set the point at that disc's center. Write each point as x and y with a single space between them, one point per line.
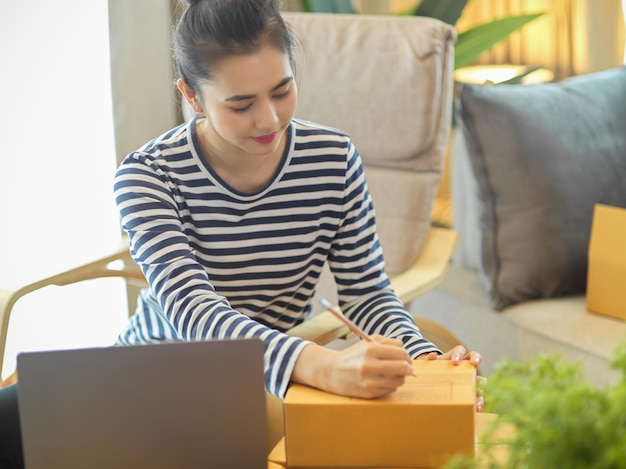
470 44
553 417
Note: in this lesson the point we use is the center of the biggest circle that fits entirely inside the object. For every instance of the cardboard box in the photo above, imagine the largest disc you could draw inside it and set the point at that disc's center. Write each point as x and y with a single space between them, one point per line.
606 275
490 443
422 424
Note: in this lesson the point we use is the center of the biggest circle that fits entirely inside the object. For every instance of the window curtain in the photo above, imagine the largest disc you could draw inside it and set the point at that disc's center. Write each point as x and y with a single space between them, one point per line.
624 13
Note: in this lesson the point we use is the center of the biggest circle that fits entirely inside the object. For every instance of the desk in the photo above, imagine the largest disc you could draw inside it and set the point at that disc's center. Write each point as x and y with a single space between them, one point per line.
278 458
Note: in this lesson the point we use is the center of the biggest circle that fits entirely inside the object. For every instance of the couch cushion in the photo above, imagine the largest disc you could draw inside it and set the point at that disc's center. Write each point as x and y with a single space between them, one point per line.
542 156
554 325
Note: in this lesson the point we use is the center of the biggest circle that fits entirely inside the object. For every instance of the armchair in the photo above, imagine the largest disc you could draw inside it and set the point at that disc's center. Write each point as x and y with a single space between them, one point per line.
387 81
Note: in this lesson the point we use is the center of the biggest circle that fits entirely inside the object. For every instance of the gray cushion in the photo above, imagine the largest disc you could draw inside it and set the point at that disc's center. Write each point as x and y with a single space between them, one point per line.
542 156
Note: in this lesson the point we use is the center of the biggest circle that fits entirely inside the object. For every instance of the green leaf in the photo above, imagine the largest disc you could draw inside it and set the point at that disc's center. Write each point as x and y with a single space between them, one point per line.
473 42
517 79
447 11
318 6
343 6
327 6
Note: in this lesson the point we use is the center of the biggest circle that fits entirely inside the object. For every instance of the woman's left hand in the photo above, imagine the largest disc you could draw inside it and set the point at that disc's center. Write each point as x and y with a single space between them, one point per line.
456 355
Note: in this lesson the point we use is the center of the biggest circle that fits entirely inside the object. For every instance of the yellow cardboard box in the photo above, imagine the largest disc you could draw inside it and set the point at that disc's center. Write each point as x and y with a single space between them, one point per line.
422 424
490 444
606 274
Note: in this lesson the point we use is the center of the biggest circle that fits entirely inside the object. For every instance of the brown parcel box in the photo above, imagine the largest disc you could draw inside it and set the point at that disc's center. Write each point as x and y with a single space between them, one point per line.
606 275
422 424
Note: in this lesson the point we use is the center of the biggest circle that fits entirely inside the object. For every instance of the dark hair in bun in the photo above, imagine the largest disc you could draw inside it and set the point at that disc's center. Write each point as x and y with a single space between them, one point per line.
211 30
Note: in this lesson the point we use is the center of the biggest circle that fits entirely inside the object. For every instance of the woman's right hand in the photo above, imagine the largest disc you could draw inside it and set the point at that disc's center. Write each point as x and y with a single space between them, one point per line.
364 369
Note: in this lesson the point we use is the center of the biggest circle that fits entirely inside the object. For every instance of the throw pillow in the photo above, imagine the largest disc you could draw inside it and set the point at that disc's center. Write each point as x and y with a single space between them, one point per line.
542 156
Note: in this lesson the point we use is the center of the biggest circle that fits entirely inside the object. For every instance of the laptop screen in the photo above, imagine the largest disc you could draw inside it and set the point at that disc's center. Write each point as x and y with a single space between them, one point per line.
169 405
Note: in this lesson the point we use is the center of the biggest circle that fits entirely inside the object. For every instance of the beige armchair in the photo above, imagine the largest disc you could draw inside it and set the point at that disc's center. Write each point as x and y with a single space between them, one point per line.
387 81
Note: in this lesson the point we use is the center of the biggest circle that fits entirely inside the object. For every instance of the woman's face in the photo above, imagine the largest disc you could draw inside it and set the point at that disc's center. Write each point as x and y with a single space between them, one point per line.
250 102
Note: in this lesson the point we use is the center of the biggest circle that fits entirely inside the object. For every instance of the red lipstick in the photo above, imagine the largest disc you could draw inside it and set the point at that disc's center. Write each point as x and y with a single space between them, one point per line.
265 139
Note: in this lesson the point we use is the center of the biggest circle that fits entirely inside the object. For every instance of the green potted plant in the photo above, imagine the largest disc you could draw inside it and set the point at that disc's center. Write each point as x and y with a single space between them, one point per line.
554 418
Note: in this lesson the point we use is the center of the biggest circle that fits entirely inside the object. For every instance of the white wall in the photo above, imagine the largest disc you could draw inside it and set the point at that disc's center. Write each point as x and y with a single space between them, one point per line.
65 79
57 162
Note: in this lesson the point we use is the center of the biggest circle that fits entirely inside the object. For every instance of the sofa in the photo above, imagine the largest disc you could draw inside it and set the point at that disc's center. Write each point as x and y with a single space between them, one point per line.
528 164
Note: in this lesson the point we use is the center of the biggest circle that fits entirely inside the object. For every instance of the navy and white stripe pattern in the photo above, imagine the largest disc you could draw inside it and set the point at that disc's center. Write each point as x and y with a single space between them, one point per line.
225 264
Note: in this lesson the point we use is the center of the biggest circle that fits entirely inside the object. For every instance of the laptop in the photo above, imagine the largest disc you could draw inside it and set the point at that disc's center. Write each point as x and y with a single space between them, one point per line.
169 405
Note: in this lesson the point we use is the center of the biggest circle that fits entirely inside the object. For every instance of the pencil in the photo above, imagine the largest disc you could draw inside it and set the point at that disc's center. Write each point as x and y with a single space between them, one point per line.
354 328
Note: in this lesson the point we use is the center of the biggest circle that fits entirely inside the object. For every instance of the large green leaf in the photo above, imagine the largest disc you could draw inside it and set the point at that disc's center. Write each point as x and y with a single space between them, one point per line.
473 42
448 11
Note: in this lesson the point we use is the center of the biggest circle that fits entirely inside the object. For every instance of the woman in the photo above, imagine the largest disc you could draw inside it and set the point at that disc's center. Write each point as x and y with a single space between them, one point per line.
232 214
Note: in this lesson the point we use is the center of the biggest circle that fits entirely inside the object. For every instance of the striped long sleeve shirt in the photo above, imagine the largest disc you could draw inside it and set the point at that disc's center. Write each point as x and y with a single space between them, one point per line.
225 264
